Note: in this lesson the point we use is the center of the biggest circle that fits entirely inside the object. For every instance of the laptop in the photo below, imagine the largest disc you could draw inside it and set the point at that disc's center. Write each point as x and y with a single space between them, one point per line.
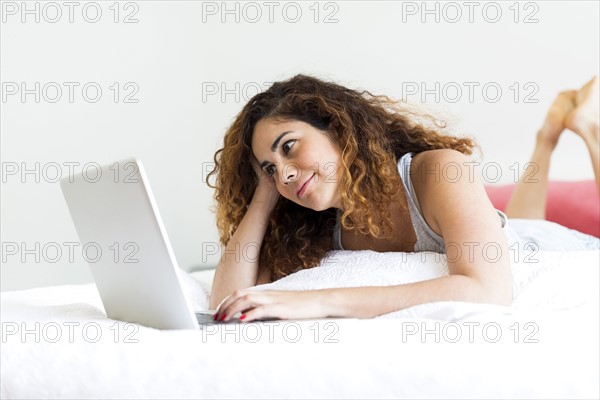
126 246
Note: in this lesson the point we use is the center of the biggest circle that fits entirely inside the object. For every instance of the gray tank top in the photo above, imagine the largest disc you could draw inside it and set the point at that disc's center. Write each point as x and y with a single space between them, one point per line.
427 239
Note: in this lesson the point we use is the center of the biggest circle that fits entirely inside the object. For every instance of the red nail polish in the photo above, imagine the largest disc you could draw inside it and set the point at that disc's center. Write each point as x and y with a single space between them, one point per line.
223 317
242 316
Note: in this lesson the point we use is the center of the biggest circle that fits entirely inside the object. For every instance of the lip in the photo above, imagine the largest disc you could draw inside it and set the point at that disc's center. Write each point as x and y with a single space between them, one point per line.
303 188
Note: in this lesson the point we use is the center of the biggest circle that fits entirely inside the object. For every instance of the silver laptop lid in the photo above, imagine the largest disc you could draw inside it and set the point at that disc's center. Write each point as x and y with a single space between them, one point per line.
127 247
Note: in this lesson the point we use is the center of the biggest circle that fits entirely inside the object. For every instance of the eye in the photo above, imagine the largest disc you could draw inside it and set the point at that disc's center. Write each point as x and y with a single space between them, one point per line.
286 143
269 170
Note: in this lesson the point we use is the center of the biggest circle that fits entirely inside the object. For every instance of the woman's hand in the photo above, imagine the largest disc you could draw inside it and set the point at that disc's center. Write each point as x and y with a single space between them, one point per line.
281 304
266 192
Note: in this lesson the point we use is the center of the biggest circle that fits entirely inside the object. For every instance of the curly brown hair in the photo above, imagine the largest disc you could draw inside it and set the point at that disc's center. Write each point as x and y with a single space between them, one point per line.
375 132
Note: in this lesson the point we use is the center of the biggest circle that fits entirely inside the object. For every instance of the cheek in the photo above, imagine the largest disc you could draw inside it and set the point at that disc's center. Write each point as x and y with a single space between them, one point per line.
317 159
284 191
329 168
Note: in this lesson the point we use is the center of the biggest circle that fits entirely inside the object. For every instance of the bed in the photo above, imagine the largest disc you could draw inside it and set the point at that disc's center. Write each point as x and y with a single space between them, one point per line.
58 343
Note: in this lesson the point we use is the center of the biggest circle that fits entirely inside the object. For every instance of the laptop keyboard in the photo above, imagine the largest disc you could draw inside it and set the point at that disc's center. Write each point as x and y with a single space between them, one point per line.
207 319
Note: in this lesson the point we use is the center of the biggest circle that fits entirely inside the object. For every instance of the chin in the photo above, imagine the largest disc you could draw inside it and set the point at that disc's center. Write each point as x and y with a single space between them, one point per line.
313 204
319 207
310 207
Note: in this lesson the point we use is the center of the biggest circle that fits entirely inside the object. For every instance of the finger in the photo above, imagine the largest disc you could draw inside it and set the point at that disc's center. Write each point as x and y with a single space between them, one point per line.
247 301
225 303
260 312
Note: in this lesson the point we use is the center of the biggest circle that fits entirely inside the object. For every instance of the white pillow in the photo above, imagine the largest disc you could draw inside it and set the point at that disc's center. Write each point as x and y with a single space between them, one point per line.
541 281
345 268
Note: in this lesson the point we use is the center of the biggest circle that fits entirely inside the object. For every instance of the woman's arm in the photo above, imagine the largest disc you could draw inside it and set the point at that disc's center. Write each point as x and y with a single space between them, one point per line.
238 267
369 302
462 213
357 302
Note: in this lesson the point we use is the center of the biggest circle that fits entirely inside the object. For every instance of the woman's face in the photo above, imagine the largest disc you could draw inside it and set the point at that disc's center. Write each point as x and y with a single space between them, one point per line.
304 162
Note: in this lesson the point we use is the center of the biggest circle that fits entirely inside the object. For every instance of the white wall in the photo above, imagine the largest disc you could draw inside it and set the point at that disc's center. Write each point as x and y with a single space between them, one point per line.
178 52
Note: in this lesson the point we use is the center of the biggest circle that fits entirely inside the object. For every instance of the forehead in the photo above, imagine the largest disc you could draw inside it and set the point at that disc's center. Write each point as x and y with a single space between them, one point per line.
268 126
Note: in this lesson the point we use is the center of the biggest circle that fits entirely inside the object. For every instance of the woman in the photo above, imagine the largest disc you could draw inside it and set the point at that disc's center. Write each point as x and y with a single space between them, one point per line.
310 166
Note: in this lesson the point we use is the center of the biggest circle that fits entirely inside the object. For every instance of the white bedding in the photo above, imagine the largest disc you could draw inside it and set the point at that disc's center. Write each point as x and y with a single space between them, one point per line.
548 346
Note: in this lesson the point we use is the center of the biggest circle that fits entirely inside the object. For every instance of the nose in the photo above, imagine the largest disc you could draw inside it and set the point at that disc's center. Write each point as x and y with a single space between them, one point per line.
288 174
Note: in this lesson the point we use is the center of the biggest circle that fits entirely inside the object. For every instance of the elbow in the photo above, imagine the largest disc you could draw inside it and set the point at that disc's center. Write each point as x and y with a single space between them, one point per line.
497 292
502 299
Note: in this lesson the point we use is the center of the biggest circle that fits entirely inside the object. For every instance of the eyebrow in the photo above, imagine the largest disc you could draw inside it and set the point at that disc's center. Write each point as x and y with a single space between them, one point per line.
274 146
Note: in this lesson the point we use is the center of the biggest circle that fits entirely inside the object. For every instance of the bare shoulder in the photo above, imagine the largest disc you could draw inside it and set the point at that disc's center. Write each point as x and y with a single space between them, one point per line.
434 174
450 191
439 155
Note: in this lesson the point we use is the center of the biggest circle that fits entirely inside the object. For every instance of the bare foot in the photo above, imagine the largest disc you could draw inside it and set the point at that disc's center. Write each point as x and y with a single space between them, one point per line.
583 119
563 105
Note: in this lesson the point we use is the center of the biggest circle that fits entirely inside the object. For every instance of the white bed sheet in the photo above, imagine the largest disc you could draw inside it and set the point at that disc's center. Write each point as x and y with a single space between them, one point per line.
548 346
